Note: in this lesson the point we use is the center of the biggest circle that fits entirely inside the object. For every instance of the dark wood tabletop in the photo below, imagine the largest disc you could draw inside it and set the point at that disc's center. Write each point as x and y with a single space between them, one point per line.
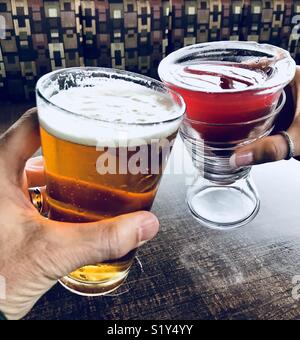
190 272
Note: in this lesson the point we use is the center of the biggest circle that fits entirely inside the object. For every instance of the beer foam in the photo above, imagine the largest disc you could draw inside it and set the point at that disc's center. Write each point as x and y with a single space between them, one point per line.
111 113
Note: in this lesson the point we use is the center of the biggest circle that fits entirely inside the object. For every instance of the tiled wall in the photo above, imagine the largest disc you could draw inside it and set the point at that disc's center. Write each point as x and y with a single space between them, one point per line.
40 36
133 34
125 34
263 21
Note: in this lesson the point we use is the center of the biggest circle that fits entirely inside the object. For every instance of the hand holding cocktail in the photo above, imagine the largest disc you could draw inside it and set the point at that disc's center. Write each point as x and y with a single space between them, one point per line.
273 148
234 92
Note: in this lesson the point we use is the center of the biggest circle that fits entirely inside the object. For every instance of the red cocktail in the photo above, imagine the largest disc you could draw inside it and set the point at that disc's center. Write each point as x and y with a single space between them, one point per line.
232 91
224 101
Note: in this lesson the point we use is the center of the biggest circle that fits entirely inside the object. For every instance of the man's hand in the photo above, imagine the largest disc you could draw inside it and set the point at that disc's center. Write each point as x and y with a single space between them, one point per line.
35 252
272 148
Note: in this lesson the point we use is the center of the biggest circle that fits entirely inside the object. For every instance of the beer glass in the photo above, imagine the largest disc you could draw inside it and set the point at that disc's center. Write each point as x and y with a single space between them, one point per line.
106 137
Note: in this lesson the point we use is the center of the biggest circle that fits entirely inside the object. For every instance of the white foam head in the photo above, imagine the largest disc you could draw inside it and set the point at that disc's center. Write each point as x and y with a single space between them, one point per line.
114 112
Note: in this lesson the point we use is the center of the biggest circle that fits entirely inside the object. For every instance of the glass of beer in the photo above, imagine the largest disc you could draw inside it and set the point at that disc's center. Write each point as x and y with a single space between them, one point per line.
106 138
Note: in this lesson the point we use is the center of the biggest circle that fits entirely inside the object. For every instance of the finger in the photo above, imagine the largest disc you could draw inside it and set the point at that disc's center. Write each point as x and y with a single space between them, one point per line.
272 148
269 149
19 143
77 245
35 172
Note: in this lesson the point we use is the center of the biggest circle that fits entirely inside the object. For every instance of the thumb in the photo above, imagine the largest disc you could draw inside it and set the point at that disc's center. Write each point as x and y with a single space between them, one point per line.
268 149
76 245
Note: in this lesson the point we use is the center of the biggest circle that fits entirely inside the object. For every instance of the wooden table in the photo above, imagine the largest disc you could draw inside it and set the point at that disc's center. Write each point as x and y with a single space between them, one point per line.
191 272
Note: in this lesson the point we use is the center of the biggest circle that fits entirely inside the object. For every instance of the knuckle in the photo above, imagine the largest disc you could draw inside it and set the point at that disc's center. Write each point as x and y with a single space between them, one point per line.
113 242
31 112
272 151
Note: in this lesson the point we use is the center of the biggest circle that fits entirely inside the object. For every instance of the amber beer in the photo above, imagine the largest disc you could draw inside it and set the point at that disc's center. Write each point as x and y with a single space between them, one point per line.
106 137
78 193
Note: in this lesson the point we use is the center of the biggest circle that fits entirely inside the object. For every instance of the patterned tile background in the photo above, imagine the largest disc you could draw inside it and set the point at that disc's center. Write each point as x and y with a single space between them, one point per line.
261 21
133 34
40 36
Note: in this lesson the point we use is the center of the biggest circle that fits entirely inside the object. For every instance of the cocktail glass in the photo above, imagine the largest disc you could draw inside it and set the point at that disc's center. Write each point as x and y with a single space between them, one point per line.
233 92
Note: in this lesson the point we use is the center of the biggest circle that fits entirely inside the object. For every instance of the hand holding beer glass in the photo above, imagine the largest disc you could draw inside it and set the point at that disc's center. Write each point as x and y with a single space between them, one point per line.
106 138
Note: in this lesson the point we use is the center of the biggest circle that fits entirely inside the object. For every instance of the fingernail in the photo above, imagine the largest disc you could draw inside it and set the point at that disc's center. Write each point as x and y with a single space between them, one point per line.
148 228
241 159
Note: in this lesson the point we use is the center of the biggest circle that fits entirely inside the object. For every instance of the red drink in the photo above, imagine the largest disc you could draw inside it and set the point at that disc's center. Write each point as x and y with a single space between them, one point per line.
225 93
